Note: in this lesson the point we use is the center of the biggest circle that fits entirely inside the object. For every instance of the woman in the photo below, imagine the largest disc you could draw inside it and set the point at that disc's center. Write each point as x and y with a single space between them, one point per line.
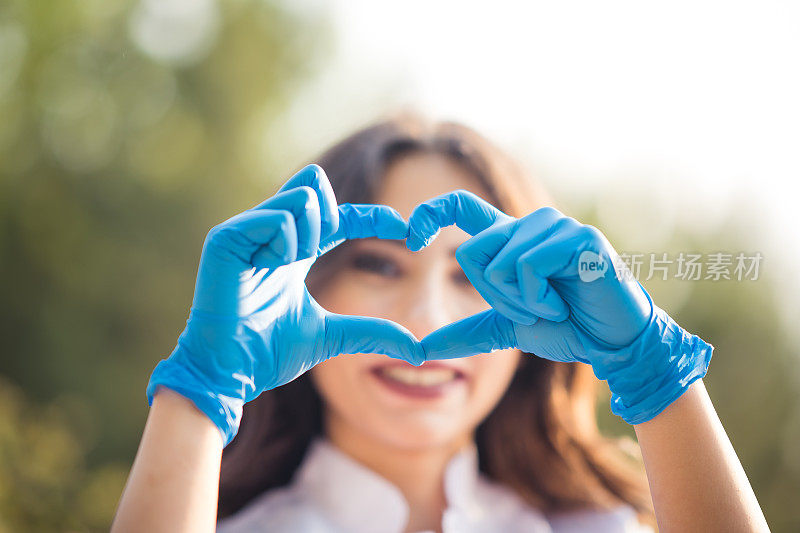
468 441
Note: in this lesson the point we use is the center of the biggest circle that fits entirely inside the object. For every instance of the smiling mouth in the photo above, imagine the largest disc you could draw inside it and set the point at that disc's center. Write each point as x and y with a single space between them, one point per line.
418 382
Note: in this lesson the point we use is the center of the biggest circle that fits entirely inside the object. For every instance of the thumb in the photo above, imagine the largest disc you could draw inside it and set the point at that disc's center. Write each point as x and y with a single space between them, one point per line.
481 333
361 334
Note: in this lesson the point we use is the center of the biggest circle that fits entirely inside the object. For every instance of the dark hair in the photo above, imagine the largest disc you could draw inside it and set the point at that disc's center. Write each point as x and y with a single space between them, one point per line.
541 440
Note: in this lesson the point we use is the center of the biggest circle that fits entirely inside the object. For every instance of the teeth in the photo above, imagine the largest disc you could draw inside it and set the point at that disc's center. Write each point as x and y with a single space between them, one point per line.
419 376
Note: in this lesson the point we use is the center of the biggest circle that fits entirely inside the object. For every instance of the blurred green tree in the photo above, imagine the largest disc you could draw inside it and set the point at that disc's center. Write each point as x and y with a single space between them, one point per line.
45 484
127 129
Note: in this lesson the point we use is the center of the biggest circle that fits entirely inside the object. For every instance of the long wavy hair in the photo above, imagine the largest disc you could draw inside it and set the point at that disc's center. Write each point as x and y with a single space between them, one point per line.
541 440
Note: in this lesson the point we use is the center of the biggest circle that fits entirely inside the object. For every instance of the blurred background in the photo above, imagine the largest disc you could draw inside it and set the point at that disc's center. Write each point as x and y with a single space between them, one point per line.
129 128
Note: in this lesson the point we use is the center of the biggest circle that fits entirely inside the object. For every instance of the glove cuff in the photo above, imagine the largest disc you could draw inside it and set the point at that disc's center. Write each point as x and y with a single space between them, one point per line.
223 410
654 370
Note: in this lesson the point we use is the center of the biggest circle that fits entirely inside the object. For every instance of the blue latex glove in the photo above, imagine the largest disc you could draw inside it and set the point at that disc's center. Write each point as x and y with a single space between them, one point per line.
253 325
555 292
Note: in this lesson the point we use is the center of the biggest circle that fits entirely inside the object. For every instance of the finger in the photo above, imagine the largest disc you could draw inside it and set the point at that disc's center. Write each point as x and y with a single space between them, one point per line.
462 208
540 268
302 203
556 341
314 177
475 254
501 272
359 221
529 231
358 334
265 238
481 333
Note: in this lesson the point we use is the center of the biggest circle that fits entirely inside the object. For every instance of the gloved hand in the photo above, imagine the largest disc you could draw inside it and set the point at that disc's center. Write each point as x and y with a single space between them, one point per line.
253 325
559 290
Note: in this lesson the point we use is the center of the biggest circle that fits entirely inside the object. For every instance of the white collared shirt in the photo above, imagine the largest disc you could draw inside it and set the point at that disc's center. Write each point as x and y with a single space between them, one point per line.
333 493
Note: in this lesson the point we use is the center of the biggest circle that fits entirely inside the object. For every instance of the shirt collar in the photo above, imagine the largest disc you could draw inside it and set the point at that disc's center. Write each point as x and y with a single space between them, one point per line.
360 501
350 494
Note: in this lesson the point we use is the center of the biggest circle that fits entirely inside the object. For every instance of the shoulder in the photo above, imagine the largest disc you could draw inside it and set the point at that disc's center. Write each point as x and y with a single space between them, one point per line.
619 519
279 510
517 515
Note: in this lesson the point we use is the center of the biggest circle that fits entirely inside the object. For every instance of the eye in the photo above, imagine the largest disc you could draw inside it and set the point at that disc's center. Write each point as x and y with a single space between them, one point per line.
375 263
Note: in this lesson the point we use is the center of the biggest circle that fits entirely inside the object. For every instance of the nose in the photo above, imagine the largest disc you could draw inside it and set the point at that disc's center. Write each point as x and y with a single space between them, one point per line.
426 305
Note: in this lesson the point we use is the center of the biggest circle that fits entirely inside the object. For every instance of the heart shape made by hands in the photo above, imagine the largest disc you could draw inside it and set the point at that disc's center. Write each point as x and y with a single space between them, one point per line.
254 326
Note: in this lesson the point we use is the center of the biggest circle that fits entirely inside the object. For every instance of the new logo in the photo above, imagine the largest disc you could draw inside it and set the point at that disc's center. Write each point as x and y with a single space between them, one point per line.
591 266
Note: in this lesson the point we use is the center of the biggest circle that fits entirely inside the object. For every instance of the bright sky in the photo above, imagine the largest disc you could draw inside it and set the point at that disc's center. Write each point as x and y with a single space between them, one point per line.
691 107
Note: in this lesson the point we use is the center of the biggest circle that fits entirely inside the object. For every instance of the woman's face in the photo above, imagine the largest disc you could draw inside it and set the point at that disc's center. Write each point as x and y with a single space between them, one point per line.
381 398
